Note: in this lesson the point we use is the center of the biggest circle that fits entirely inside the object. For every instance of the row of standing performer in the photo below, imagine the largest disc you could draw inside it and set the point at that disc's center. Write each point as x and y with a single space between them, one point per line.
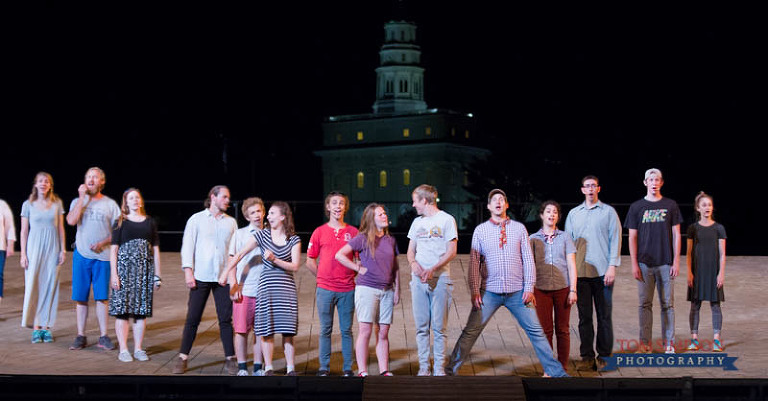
250 272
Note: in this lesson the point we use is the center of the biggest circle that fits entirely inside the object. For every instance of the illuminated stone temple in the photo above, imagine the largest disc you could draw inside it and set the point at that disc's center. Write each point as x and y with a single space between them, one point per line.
382 156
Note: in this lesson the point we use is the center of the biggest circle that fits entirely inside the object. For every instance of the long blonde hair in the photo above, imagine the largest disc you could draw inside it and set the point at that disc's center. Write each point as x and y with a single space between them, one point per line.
368 227
50 196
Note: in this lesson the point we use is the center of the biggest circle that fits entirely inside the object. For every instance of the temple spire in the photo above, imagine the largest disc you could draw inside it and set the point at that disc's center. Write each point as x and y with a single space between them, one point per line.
399 77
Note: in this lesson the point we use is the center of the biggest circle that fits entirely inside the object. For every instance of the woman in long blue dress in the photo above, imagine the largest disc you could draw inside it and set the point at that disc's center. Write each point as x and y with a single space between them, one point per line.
43 250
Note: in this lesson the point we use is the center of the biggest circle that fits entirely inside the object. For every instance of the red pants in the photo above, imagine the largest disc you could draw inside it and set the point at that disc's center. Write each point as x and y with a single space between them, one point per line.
557 300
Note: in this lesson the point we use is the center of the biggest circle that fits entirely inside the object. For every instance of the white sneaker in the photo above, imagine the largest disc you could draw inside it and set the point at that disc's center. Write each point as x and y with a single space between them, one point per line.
439 372
140 355
424 372
259 372
125 356
669 349
242 372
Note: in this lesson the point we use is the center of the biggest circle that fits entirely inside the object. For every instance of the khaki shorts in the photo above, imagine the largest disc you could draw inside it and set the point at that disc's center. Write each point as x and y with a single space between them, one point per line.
373 305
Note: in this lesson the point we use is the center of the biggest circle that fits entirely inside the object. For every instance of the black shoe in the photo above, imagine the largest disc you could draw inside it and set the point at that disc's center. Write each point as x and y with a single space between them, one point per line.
323 373
348 373
586 364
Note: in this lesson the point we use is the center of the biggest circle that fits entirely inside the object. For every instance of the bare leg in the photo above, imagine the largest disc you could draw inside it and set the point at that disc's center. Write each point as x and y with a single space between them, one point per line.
361 346
267 349
257 350
382 348
288 351
139 327
121 332
102 314
81 311
241 347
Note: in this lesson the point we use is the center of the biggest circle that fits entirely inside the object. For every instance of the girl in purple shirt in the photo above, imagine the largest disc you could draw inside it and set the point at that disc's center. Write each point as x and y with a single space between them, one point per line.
378 284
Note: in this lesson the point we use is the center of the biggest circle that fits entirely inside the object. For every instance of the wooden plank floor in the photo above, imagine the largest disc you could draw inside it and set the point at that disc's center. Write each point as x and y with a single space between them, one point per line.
503 349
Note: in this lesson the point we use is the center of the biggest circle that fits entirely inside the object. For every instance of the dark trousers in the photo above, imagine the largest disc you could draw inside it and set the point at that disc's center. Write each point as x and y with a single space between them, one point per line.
592 291
557 301
196 305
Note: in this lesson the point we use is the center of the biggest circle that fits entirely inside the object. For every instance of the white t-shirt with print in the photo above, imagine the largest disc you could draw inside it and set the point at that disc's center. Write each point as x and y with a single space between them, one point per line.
432 236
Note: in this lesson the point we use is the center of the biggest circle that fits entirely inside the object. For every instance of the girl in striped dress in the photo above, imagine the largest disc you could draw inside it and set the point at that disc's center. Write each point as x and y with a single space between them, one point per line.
277 306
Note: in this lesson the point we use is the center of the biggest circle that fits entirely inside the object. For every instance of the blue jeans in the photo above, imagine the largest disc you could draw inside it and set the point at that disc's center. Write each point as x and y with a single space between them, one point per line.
656 277
526 318
345 305
431 302
2 268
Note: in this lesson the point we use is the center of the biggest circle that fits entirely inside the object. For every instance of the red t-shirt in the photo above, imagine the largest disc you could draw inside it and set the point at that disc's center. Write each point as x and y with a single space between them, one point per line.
323 245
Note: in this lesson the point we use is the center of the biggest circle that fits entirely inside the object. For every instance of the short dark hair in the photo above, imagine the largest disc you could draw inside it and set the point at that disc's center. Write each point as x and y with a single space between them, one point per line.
328 200
590 177
544 205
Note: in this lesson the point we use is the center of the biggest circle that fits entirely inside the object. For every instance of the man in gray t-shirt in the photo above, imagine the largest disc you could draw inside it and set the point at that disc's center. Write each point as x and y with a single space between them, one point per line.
95 215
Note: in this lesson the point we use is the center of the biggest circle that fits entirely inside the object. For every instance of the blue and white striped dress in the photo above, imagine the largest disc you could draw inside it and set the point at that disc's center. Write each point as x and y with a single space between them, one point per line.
277 305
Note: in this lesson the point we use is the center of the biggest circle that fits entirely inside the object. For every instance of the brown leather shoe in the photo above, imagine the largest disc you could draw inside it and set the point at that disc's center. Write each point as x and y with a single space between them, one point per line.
586 364
180 366
230 365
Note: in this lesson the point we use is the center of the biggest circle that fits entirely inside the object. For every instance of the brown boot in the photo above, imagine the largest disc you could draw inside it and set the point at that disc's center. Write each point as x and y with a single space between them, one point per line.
180 366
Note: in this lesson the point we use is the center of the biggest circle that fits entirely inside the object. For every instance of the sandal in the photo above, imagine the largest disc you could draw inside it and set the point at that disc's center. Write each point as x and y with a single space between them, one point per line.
386 373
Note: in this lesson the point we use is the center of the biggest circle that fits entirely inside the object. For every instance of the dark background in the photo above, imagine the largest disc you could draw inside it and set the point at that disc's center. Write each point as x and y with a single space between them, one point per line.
154 92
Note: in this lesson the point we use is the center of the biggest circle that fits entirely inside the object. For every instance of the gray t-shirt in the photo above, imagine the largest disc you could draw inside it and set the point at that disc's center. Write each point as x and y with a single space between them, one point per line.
98 219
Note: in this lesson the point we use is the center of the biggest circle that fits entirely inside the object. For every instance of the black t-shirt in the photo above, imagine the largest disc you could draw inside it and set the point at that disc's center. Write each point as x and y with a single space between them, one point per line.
130 230
653 222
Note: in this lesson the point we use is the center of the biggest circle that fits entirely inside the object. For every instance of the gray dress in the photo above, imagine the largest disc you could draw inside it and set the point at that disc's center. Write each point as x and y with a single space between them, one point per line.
41 281
706 262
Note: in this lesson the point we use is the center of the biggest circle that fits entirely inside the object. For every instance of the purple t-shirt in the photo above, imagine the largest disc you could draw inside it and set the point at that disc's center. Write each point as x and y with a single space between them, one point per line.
381 271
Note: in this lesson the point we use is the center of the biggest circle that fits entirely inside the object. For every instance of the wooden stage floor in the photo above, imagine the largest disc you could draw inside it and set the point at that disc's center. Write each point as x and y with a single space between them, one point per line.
503 349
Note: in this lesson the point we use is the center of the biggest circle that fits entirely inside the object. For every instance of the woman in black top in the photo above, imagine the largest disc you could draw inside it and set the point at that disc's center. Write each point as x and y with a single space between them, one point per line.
135 263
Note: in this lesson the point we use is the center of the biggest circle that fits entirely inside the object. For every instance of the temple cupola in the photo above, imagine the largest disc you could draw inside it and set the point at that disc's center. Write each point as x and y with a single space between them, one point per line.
399 77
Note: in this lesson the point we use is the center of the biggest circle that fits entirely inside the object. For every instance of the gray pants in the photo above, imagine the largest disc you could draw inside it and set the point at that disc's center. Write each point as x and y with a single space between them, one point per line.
717 316
656 277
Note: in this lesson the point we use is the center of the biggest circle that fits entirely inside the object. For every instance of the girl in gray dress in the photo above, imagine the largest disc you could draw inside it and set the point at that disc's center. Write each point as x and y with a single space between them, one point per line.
43 250
706 270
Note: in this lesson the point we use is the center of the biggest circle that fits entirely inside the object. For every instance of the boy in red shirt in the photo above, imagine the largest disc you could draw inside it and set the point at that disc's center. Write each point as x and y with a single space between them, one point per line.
335 283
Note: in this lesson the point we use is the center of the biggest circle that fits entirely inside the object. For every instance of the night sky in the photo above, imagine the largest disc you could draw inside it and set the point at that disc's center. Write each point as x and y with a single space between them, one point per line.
153 93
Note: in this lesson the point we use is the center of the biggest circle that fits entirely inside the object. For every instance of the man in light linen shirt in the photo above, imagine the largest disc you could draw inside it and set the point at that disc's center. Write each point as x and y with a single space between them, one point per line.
203 255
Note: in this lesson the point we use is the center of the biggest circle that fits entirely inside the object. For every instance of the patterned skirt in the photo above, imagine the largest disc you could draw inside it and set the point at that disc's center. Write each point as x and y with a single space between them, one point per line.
136 270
